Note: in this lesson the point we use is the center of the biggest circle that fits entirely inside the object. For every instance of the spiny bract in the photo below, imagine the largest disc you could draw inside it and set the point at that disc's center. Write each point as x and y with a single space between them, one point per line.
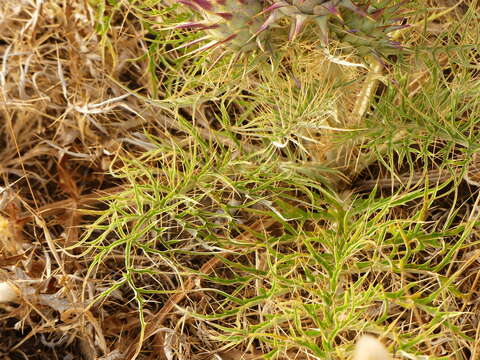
369 32
241 24
234 23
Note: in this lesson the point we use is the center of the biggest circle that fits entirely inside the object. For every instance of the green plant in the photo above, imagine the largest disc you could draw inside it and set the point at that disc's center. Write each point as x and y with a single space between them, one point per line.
241 24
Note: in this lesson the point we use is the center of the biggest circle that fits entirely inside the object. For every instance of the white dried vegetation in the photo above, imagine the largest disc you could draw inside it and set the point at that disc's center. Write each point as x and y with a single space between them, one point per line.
370 348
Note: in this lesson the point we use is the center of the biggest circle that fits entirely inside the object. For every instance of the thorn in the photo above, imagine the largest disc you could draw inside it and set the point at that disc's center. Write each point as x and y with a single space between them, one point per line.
204 4
273 7
186 25
297 26
348 4
193 25
334 11
322 23
189 43
270 20
225 15
377 14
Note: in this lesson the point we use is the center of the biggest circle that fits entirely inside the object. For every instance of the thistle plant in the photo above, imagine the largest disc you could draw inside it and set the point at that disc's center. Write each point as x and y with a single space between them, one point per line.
243 25
234 23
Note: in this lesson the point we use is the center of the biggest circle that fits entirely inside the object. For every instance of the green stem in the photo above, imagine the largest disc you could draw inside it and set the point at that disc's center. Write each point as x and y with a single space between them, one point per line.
339 157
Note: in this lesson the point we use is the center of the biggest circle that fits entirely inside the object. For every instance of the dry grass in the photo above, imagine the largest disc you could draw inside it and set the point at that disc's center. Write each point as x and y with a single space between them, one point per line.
64 118
91 107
